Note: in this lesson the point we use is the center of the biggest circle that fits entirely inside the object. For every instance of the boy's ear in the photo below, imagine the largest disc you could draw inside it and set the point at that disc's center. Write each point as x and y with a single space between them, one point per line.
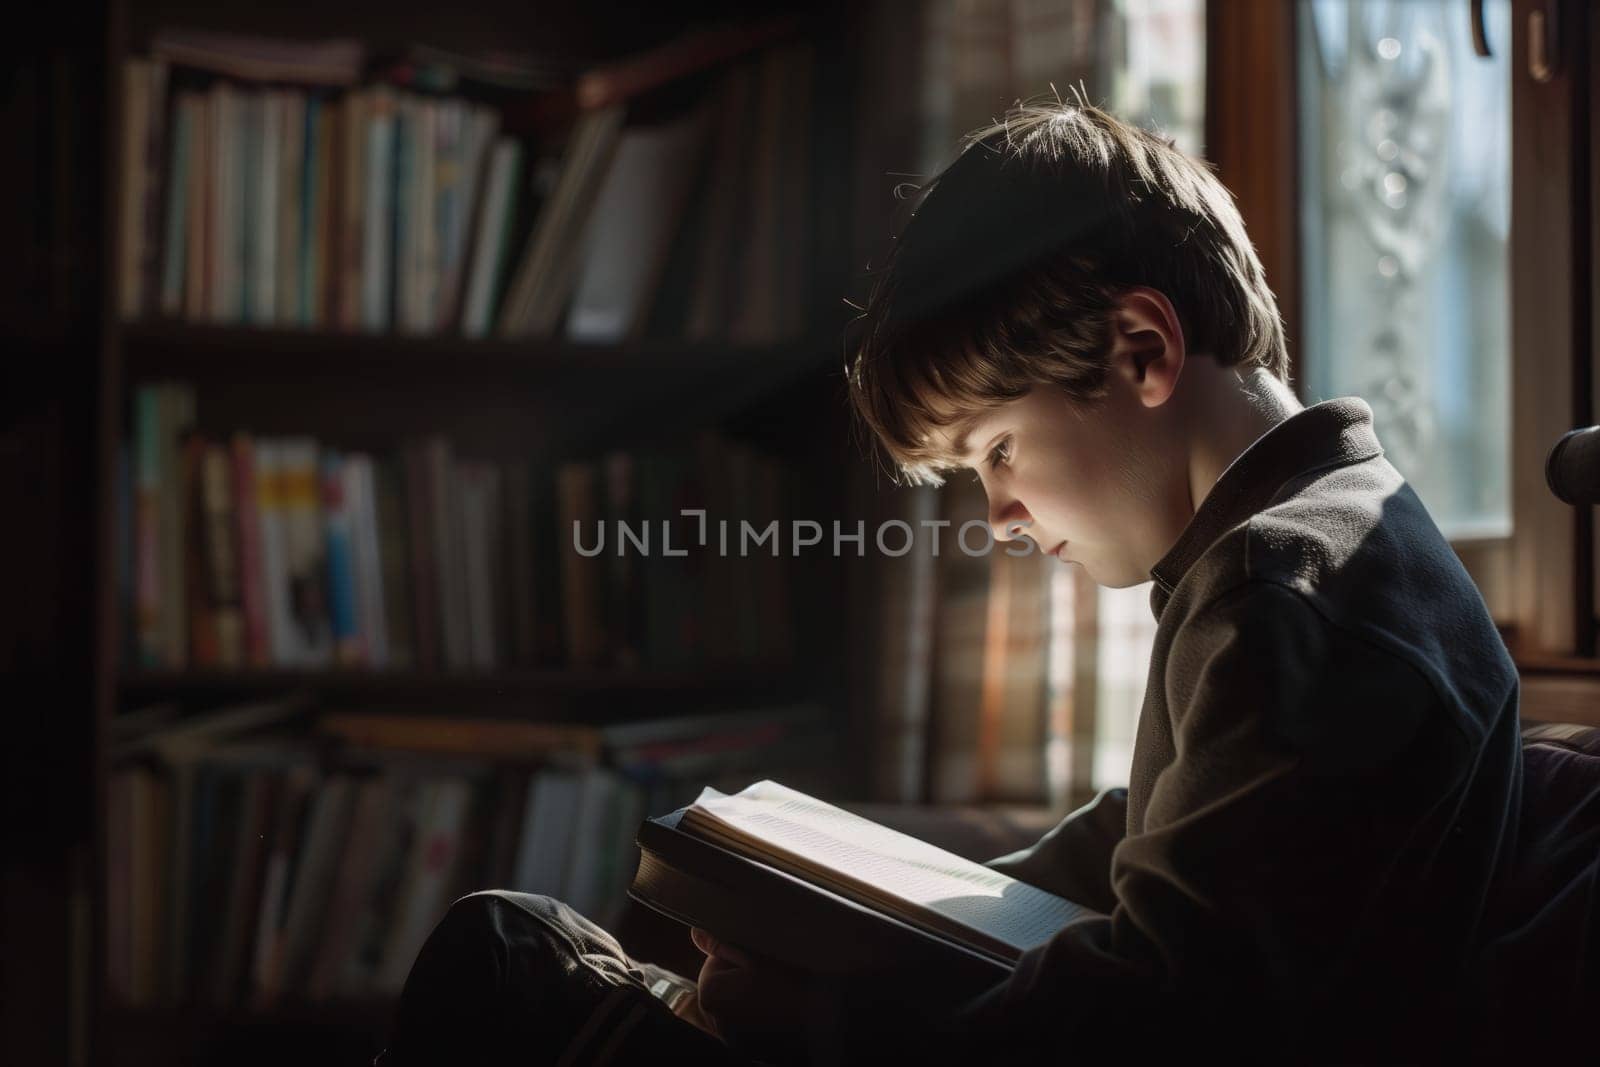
1147 345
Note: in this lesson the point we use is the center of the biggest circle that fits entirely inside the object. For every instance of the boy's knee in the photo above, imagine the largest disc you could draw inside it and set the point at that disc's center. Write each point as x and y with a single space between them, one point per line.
518 932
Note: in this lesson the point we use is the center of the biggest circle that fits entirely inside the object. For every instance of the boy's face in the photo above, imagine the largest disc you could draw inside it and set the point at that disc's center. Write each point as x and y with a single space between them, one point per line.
1104 485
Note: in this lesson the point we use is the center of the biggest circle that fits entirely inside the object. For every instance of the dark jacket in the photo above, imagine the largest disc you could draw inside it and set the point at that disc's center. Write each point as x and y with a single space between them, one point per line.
1323 794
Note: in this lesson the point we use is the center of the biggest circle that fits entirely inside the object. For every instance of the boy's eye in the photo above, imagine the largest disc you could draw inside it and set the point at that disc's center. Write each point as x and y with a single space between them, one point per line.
1000 453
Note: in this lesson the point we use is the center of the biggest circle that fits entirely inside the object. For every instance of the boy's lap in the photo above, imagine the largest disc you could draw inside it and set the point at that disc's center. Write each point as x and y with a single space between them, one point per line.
516 977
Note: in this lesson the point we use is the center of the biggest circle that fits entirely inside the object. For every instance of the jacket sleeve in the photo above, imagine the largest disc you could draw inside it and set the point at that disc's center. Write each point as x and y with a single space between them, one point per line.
1242 900
1073 860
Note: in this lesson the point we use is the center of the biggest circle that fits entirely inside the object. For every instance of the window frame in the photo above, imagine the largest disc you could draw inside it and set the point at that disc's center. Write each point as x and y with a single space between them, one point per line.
1540 583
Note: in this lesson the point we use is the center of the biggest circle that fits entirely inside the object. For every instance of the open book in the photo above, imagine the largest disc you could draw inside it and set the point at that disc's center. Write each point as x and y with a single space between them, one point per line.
786 875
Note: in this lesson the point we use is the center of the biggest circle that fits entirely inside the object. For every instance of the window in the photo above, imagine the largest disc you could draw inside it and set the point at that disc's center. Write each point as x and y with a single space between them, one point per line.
1405 222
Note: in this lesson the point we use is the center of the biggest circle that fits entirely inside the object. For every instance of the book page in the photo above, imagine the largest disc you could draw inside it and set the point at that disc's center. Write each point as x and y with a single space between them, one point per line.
881 867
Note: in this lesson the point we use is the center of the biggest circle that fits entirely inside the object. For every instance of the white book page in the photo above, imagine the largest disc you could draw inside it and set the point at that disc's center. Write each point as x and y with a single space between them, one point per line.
886 864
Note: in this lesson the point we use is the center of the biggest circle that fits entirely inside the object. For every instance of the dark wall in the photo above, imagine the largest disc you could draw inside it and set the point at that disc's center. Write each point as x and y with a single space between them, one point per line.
53 101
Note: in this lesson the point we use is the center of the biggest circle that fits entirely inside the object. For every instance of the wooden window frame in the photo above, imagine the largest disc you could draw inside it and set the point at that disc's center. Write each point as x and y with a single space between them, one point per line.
1540 583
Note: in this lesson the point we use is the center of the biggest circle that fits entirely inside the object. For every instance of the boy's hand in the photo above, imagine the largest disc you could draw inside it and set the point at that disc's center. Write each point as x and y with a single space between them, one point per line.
758 1006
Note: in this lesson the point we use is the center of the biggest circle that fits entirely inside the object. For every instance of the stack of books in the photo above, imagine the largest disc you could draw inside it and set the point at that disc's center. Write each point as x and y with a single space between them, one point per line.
248 870
252 552
290 185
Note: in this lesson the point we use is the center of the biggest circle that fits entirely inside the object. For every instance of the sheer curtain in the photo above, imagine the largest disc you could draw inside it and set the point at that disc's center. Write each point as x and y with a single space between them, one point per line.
1405 221
1016 679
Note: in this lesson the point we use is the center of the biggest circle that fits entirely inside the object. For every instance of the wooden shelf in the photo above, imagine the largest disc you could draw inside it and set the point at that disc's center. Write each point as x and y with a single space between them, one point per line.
235 353
555 694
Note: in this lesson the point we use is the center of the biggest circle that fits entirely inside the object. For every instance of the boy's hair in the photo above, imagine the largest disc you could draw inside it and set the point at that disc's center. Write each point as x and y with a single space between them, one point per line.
1004 276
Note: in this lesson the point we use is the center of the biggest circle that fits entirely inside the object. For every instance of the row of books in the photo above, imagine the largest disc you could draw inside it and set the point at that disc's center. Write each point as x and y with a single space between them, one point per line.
252 869
250 552
378 208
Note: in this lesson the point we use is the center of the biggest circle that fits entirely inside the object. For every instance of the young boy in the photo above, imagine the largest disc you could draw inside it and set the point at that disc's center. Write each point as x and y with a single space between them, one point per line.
1328 763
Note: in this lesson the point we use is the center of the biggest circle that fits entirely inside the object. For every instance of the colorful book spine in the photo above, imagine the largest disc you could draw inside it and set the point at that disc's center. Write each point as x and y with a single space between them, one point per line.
347 648
371 596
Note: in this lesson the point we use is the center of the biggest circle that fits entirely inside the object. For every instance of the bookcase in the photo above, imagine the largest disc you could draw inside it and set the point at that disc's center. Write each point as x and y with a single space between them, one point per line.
428 371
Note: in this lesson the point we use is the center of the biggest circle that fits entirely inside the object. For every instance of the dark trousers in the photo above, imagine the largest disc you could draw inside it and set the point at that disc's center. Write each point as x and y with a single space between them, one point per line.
514 978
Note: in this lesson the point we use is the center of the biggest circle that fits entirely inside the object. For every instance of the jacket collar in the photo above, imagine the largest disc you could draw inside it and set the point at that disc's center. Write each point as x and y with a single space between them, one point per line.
1334 433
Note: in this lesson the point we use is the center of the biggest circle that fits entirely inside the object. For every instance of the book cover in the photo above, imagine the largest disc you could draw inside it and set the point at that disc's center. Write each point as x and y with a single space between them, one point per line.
582 572
148 554
546 848
408 161
231 959
508 799
539 289
224 231
493 242
449 553
460 201
152 220
175 404
635 217
321 241
219 538
179 206
256 636
371 594
409 798
424 567
348 646
548 537
584 886
424 216
378 223
473 493
395 570
300 784
137 74
293 209
200 211
354 150
120 791
305 553
326 836
273 537
350 886
523 629
719 250
253 211
151 816
435 854
627 550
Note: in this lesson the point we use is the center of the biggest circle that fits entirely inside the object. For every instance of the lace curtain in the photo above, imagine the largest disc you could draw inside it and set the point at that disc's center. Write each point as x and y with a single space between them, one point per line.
1405 217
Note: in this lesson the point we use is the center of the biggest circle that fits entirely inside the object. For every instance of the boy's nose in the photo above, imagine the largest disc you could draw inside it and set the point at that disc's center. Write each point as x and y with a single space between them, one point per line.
1004 515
